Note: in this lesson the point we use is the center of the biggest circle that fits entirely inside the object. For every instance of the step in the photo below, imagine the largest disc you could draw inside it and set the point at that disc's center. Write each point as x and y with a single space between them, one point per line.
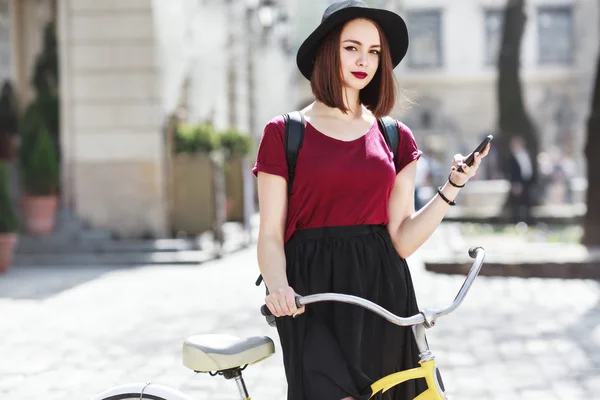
95 259
60 245
130 257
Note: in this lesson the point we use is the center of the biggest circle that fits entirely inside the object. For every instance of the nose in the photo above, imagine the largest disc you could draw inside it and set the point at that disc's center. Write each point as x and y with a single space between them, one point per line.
362 60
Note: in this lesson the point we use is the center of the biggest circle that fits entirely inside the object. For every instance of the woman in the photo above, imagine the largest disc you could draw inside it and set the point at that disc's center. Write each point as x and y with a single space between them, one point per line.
350 221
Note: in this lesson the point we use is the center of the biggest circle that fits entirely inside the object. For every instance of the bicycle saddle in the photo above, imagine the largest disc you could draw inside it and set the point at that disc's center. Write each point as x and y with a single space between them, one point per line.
212 353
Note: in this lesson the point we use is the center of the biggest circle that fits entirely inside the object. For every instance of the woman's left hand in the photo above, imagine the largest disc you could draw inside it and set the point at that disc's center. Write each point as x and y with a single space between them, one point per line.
460 178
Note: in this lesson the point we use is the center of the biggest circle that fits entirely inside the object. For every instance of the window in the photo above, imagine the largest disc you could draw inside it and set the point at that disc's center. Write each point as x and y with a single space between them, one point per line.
494 22
555 35
425 28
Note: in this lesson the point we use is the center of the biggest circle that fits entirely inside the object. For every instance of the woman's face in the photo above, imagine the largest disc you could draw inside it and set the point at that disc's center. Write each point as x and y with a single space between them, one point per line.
360 49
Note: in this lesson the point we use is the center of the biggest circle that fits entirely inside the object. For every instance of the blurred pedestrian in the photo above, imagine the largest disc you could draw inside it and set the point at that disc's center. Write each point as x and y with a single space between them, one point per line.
520 175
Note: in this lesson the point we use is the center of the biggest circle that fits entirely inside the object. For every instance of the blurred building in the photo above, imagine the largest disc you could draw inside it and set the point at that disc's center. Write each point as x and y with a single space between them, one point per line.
126 65
449 74
451 70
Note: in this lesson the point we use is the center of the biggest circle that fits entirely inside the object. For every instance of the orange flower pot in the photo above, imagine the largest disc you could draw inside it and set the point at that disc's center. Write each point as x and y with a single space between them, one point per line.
39 213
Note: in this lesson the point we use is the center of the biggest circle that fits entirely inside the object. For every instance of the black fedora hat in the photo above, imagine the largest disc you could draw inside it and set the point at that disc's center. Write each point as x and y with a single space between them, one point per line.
392 25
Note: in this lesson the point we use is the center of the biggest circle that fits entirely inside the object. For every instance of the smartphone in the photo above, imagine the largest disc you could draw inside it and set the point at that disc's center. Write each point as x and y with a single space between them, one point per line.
469 161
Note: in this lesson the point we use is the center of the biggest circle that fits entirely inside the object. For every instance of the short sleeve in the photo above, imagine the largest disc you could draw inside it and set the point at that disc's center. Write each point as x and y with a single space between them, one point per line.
271 151
408 150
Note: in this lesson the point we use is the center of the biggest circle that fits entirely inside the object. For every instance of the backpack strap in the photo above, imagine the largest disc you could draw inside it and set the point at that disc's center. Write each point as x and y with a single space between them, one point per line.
294 135
389 127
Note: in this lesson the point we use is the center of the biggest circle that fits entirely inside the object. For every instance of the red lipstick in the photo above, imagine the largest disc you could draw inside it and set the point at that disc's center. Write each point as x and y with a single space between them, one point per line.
360 75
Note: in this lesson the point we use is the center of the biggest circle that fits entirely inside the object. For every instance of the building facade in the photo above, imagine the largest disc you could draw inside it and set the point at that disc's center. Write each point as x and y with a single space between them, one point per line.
448 78
451 69
126 66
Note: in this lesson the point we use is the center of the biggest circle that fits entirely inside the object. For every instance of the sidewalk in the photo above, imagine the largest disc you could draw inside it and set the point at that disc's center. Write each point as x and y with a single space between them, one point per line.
68 333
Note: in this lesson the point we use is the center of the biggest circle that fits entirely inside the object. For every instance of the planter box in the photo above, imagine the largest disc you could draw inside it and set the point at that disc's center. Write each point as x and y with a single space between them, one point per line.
234 188
193 196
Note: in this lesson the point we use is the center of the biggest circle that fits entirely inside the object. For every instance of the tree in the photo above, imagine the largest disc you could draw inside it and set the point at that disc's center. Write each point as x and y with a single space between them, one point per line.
513 117
591 223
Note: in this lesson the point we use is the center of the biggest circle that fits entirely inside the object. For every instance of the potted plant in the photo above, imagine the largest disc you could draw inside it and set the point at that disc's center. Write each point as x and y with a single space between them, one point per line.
235 143
39 150
193 168
8 122
8 222
196 138
40 180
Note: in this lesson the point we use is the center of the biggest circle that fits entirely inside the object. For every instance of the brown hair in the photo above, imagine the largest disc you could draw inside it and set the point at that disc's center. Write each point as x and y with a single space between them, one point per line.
326 82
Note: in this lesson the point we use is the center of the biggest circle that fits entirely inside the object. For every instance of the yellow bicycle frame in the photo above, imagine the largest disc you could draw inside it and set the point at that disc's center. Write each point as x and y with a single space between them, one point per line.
426 370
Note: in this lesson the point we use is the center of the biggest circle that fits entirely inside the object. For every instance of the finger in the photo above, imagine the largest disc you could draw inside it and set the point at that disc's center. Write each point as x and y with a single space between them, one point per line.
299 312
486 150
280 305
273 308
279 308
285 309
291 303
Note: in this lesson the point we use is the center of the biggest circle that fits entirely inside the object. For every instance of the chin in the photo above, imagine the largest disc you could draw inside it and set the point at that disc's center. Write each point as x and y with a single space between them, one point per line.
357 85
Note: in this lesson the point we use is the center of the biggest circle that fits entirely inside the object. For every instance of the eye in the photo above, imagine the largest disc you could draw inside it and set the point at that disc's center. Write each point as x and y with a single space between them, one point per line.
350 48
377 52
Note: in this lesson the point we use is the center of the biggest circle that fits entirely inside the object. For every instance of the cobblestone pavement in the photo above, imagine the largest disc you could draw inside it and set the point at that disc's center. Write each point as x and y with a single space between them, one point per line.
72 332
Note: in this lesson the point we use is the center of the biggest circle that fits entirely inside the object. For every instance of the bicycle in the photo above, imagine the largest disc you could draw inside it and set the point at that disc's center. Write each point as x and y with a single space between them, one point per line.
228 356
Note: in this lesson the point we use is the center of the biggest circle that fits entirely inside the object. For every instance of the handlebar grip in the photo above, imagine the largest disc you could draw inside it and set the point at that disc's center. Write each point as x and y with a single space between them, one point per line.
264 310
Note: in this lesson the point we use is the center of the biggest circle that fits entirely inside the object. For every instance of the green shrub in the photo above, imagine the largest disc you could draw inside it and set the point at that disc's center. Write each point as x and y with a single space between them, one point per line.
31 123
40 169
39 152
235 143
8 217
196 138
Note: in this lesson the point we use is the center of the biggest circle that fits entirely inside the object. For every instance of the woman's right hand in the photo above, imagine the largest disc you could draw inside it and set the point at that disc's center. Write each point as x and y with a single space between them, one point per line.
282 302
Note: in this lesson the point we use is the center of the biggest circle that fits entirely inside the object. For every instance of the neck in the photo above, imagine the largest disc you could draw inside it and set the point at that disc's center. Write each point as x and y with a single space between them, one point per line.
352 102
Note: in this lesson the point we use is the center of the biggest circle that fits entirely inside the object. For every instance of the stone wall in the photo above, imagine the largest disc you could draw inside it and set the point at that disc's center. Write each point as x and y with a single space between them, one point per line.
111 134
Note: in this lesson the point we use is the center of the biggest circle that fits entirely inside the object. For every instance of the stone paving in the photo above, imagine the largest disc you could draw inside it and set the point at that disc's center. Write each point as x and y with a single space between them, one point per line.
68 333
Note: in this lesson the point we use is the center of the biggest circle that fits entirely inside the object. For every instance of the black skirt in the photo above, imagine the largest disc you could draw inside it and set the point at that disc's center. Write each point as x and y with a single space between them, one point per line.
335 350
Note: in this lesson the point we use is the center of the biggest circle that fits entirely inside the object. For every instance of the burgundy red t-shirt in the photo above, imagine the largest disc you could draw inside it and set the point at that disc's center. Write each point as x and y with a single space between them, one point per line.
336 183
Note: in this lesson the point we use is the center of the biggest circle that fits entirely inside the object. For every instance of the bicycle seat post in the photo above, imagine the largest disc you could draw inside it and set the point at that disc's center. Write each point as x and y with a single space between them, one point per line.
236 374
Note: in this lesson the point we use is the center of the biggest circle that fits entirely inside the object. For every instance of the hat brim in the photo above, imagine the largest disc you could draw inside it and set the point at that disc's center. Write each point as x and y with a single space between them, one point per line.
393 27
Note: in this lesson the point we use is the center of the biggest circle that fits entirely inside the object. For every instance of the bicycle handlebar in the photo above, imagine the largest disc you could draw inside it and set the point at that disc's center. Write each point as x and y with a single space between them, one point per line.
425 316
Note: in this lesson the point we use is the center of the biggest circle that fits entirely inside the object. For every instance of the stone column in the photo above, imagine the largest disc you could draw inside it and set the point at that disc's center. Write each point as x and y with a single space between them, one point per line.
111 119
